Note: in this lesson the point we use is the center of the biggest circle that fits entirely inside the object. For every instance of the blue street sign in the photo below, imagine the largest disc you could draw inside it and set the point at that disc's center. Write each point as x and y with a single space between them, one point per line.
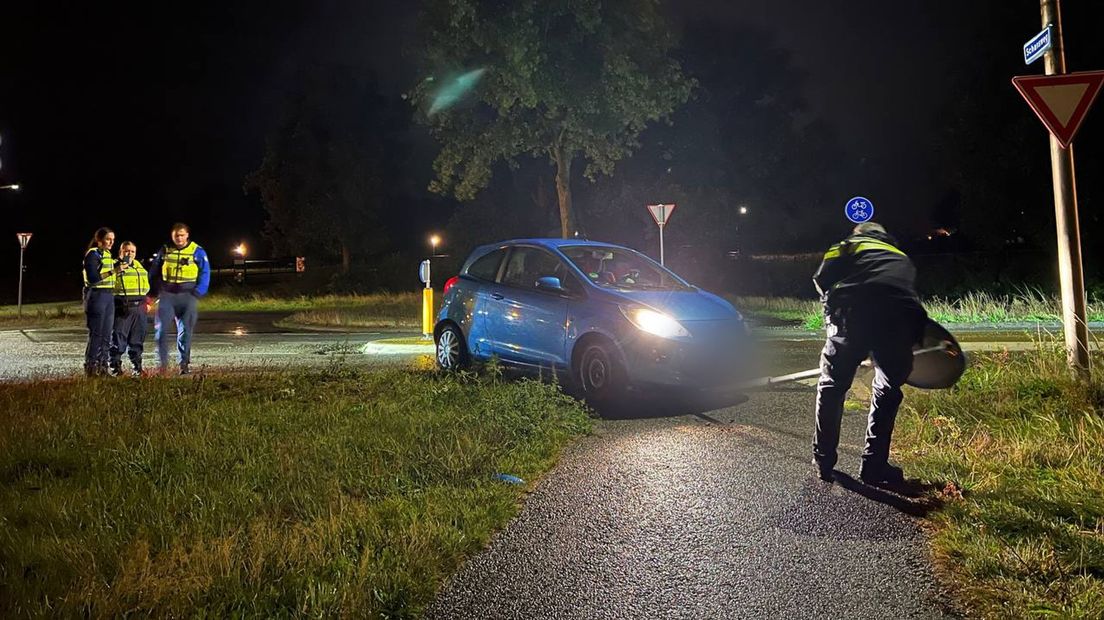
1037 46
859 210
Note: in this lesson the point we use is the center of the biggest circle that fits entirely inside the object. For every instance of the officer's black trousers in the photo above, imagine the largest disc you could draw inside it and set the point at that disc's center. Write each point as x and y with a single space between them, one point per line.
129 335
887 335
99 312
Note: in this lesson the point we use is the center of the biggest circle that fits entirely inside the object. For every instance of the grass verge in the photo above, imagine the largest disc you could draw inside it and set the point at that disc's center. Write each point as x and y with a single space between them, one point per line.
971 309
376 310
59 314
1018 449
337 492
404 310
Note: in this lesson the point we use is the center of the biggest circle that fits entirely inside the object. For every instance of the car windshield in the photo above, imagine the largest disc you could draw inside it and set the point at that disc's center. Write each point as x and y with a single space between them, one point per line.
620 268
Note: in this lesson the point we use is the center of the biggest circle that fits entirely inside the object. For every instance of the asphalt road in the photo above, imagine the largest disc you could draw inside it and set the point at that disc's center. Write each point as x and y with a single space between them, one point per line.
707 515
226 341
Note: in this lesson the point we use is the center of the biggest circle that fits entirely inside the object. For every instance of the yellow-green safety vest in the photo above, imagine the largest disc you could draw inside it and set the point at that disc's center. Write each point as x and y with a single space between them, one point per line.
107 273
133 282
178 266
860 244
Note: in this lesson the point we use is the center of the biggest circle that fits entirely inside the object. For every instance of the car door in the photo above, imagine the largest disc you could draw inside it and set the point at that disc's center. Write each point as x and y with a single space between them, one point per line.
483 272
526 325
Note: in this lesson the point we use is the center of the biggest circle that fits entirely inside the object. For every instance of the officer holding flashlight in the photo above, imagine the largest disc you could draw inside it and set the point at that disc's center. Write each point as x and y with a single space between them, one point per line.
131 288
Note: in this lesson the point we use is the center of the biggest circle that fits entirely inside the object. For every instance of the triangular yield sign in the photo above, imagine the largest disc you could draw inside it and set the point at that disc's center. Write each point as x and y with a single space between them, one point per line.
661 213
1061 101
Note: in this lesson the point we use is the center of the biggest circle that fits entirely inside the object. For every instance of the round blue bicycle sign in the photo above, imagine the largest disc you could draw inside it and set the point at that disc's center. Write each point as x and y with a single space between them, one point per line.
859 210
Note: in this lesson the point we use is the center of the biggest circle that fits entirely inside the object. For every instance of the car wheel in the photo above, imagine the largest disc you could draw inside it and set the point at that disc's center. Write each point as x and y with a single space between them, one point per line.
600 376
452 353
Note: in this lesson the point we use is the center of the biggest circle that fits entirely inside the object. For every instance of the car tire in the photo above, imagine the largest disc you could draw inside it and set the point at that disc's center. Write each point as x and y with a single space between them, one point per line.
600 376
451 351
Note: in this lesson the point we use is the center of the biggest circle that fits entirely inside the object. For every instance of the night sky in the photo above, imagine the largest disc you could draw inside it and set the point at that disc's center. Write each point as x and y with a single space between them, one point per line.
141 115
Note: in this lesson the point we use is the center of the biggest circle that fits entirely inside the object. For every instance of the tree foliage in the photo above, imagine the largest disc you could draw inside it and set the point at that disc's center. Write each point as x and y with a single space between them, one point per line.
564 79
328 167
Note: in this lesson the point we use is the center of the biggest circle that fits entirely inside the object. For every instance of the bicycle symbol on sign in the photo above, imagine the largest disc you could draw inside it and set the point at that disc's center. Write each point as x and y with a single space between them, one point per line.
859 209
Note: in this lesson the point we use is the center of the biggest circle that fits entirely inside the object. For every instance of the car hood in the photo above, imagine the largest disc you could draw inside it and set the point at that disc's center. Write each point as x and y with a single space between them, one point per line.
681 305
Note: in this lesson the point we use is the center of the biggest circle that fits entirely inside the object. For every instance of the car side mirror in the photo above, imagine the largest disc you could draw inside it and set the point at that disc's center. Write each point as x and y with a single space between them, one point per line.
551 284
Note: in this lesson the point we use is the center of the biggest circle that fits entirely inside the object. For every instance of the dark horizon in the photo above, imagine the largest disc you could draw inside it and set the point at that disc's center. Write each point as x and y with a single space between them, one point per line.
136 119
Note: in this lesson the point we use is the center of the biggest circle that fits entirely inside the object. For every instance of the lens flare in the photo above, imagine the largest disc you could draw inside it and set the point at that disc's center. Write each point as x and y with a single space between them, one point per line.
455 90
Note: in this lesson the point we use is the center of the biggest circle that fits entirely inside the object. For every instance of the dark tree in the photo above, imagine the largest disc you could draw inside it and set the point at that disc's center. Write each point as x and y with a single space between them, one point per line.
329 168
561 80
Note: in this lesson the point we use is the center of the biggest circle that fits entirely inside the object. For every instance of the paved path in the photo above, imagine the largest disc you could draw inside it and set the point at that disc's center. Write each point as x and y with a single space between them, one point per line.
223 340
714 515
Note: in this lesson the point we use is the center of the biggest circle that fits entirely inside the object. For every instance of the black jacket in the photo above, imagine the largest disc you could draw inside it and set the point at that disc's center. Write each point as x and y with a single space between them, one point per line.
867 268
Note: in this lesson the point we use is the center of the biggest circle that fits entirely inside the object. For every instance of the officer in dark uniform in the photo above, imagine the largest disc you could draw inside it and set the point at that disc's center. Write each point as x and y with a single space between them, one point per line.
131 288
871 308
99 273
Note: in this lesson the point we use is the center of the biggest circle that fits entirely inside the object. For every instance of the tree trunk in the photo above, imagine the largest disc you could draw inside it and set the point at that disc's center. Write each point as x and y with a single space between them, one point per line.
549 212
346 257
563 191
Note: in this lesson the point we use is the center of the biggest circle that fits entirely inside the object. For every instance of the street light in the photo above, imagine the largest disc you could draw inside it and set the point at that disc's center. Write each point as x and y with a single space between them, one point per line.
743 210
14 187
433 241
241 251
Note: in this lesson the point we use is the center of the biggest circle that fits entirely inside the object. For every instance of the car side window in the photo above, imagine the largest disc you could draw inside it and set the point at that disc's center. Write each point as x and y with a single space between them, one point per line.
486 267
525 265
567 279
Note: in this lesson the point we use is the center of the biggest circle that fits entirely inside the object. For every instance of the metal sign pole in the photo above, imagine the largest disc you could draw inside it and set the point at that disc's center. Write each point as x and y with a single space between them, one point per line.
20 297
661 245
1070 271
24 238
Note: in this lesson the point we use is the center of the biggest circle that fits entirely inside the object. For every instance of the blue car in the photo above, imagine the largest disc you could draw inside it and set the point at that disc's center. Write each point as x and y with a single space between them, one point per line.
605 316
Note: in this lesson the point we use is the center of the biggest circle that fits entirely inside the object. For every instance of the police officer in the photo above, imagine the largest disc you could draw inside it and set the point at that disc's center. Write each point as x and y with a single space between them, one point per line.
180 275
871 307
99 281
131 288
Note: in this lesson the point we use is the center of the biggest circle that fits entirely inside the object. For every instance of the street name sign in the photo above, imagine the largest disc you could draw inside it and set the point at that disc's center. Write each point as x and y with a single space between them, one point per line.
859 210
1061 101
1038 45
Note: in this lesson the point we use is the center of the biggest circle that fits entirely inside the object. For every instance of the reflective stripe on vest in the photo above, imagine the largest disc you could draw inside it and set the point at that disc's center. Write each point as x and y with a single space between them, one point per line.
179 266
107 275
858 245
134 282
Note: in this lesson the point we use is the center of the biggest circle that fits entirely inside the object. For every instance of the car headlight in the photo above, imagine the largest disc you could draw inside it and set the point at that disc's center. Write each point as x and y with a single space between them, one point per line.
655 323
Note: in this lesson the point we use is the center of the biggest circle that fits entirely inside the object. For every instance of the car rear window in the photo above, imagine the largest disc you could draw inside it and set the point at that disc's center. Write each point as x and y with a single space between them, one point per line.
486 267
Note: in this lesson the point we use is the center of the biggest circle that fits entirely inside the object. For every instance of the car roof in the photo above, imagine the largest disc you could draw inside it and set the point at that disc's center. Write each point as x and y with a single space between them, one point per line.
552 242
545 242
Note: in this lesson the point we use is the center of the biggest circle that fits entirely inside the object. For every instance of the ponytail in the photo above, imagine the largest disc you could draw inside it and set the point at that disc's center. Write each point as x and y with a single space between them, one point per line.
98 237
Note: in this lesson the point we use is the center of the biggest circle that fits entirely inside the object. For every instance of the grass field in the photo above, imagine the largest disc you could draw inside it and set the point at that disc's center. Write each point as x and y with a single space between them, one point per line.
332 493
60 314
972 309
404 310
1017 448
